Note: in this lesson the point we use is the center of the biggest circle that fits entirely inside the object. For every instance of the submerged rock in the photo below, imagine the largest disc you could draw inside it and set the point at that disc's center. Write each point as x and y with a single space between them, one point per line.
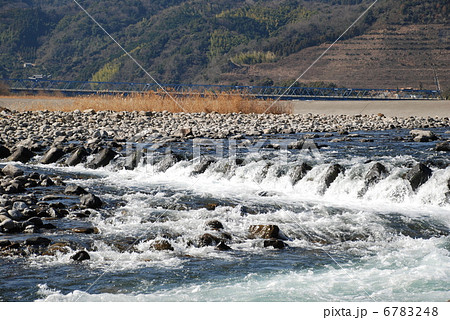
214 225
208 240
162 245
222 247
277 244
86 230
418 175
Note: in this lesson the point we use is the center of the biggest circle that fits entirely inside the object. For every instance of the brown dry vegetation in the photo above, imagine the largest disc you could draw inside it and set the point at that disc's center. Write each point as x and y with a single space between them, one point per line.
221 103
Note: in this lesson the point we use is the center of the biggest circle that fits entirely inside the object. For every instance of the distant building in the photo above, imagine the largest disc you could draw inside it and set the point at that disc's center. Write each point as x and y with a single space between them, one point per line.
40 76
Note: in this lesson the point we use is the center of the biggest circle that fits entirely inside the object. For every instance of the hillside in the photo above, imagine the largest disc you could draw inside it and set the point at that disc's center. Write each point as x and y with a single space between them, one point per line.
398 44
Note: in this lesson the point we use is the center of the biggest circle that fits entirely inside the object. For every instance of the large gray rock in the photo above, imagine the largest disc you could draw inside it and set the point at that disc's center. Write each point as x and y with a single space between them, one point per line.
12 171
132 161
167 162
418 175
78 156
21 154
443 146
375 174
202 165
332 173
80 256
214 224
74 190
423 135
265 231
103 158
8 225
162 245
208 239
52 155
38 241
299 172
91 201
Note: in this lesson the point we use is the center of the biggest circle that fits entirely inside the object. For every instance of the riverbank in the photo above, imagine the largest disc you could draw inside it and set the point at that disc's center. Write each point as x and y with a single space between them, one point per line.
44 126
390 108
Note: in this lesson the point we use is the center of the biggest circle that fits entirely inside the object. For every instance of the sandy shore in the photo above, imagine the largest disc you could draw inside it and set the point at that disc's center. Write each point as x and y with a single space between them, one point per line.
30 103
423 108
404 108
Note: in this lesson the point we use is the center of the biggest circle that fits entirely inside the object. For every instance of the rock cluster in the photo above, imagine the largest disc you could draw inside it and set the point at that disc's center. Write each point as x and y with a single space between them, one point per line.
38 130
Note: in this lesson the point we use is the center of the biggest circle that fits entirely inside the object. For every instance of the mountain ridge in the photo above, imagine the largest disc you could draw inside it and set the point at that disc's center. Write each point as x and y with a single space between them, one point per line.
225 41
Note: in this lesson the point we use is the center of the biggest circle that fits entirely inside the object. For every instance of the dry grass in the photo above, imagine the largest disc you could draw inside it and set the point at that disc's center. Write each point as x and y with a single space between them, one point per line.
221 103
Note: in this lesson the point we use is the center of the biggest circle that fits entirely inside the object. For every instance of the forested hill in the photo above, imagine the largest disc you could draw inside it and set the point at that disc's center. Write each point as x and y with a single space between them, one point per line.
195 41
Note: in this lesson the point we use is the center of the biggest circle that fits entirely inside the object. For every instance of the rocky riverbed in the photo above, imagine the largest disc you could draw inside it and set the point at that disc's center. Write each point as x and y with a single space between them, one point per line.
42 207
44 127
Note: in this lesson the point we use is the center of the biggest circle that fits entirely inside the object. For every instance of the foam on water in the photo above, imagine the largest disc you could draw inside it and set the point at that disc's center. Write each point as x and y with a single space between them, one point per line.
389 243
403 270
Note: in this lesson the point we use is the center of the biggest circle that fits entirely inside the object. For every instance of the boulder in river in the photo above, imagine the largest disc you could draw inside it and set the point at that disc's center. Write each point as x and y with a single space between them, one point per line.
86 230
375 174
103 158
208 240
132 161
443 146
52 155
202 165
21 154
299 172
167 162
80 256
222 246
423 135
91 201
332 173
265 231
418 175
214 224
12 171
277 244
162 245
74 190
78 156
38 241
